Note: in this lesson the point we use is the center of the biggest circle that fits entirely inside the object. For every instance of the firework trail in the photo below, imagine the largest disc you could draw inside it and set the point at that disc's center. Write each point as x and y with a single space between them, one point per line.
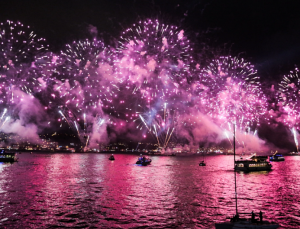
227 136
295 137
71 119
2 119
99 121
160 124
73 122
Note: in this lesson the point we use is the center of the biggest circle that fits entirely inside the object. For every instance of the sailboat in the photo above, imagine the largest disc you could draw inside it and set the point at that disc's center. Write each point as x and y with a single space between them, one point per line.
237 222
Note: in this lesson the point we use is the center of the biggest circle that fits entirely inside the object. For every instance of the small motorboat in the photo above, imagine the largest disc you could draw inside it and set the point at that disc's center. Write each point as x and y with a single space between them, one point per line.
202 163
143 160
112 158
276 157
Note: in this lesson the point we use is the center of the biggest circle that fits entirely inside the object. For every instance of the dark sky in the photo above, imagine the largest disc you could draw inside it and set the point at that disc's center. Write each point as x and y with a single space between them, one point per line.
266 32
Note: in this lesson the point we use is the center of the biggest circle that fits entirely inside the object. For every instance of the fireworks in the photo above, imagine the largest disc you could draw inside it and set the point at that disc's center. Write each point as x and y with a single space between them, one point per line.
290 99
295 137
84 82
146 79
4 118
84 75
155 58
159 124
156 45
225 68
19 46
230 92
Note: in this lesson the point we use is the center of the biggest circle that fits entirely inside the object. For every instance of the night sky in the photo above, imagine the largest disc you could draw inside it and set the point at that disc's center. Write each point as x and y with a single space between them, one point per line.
266 33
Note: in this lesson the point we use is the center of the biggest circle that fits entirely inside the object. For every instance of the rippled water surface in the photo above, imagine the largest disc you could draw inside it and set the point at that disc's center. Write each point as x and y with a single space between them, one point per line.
88 191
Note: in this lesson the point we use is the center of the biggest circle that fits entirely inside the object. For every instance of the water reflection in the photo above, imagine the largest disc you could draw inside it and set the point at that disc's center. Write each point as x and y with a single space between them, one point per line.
88 190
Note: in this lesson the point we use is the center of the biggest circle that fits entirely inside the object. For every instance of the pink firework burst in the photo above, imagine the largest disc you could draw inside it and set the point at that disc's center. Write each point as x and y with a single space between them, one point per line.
289 94
155 58
19 46
84 76
230 92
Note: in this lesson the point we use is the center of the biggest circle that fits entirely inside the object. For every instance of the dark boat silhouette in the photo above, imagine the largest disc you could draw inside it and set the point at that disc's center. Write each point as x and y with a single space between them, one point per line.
8 156
276 157
143 160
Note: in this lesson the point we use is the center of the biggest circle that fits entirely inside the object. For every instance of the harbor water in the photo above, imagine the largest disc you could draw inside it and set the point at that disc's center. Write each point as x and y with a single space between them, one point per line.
86 190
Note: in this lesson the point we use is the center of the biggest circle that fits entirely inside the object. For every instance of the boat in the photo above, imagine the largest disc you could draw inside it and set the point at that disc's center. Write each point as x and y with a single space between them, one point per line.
112 158
276 157
254 163
202 163
238 222
294 153
143 160
241 156
8 156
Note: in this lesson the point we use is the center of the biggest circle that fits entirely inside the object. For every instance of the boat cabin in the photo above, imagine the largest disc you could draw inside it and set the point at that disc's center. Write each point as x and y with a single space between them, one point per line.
8 156
255 163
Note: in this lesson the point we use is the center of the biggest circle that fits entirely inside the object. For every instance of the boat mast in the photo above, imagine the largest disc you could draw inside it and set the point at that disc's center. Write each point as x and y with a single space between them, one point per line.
236 211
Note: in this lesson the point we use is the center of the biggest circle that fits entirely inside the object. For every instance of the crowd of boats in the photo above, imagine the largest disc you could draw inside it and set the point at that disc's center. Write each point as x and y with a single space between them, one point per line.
252 163
248 164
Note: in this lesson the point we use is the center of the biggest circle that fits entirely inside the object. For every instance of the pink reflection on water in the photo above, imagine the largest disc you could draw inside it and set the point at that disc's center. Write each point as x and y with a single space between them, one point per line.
88 190
138 191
